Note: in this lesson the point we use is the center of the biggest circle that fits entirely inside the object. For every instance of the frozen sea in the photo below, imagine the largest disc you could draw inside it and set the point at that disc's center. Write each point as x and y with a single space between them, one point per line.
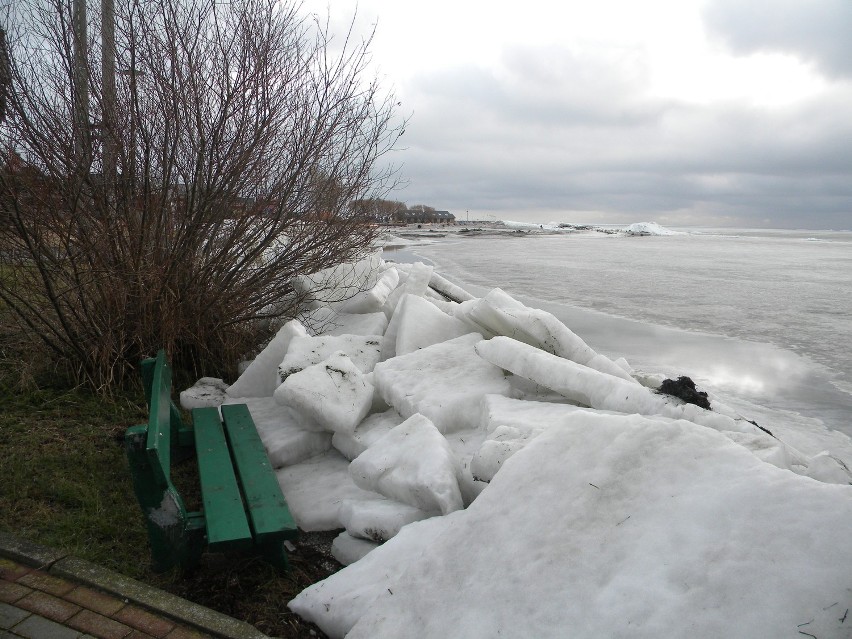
760 319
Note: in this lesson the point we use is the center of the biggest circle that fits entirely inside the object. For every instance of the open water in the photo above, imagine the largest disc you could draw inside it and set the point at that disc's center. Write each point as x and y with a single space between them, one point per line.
761 319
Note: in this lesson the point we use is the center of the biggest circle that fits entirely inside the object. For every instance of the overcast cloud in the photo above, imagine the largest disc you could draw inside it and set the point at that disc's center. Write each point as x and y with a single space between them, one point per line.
722 113
817 31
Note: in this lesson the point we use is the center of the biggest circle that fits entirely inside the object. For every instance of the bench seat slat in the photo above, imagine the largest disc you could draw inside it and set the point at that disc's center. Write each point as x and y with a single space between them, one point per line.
269 514
227 527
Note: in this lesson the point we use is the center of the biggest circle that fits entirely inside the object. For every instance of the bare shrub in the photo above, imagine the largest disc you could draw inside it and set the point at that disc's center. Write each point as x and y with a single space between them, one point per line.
174 208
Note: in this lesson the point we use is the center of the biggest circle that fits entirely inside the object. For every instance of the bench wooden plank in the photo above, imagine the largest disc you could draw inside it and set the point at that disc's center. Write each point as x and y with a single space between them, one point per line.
149 365
269 514
227 527
159 439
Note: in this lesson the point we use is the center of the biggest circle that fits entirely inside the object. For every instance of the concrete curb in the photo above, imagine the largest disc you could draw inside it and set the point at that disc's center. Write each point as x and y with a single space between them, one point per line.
157 601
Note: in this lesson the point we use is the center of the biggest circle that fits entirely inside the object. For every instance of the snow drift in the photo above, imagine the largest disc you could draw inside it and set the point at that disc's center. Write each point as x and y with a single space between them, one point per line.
497 476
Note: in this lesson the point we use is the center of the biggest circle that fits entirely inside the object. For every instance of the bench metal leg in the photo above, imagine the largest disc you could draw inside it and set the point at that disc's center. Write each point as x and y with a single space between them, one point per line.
275 553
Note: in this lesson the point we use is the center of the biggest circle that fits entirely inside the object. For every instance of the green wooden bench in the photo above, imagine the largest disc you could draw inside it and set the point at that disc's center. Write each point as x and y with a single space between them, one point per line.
243 507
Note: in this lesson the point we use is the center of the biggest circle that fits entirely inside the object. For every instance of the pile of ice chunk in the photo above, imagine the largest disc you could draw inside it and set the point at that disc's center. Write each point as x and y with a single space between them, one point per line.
493 474
611 526
649 228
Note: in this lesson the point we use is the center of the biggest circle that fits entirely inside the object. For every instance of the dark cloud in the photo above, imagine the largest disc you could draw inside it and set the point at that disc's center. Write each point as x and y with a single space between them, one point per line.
551 135
550 86
572 131
818 31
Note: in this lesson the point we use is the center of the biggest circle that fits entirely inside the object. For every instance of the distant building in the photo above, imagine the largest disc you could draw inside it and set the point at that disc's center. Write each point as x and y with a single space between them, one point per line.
409 216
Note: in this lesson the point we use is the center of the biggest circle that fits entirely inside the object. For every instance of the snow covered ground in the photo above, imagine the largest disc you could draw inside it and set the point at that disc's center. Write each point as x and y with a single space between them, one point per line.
495 476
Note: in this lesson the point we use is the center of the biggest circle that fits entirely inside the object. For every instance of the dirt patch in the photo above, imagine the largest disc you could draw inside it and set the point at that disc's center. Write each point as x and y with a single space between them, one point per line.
247 588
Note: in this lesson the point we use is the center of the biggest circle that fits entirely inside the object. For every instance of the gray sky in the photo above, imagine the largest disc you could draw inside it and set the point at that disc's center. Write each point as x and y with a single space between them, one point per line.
683 112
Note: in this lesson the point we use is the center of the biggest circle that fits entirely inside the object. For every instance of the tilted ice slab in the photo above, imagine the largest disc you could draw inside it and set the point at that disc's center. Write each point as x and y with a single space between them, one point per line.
447 307
447 289
333 393
413 464
503 315
601 391
327 321
462 312
612 526
368 431
378 405
499 410
594 388
362 350
260 379
378 519
348 549
829 468
465 443
522 388
287 437
373 300
339 283
417 283
317 487
649 228
433 296
511 424
501 444
444 382
286 447
419 323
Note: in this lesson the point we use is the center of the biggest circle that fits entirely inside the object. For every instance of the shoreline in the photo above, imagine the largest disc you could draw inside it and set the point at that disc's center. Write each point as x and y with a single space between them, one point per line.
807 401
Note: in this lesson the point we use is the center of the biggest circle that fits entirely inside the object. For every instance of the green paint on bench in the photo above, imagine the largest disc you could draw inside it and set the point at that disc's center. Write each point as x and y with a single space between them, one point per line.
267 509
243 504
160 440
227 527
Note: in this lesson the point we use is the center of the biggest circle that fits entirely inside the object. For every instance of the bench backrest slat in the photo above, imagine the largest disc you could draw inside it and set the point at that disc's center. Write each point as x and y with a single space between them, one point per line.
148 367
267 507
227 526
160 435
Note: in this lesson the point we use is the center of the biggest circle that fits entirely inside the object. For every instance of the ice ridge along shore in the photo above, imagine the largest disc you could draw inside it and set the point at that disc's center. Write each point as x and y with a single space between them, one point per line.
494 475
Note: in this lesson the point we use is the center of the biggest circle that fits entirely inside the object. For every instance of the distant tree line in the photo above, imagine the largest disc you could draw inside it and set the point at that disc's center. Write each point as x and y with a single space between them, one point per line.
394 211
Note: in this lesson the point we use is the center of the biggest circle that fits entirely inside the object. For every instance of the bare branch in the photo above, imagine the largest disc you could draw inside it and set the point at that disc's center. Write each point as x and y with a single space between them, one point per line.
233 148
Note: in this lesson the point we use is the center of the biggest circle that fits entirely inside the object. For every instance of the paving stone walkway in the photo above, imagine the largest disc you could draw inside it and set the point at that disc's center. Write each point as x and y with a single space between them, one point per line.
48 595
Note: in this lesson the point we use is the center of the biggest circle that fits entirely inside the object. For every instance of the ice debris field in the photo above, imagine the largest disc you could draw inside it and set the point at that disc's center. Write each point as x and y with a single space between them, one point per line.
495 476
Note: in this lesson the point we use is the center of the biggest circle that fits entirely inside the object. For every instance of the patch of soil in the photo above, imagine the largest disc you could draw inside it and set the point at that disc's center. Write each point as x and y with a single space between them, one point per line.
247 588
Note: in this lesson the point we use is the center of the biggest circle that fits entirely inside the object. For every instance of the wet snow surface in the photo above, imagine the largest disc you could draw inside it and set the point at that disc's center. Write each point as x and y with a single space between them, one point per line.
495 476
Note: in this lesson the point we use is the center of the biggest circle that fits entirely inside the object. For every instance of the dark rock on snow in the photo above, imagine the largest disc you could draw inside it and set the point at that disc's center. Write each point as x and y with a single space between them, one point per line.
684 388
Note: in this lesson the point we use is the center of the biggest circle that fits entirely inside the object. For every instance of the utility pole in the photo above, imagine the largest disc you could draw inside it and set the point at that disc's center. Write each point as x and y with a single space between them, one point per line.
82 141
108 130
